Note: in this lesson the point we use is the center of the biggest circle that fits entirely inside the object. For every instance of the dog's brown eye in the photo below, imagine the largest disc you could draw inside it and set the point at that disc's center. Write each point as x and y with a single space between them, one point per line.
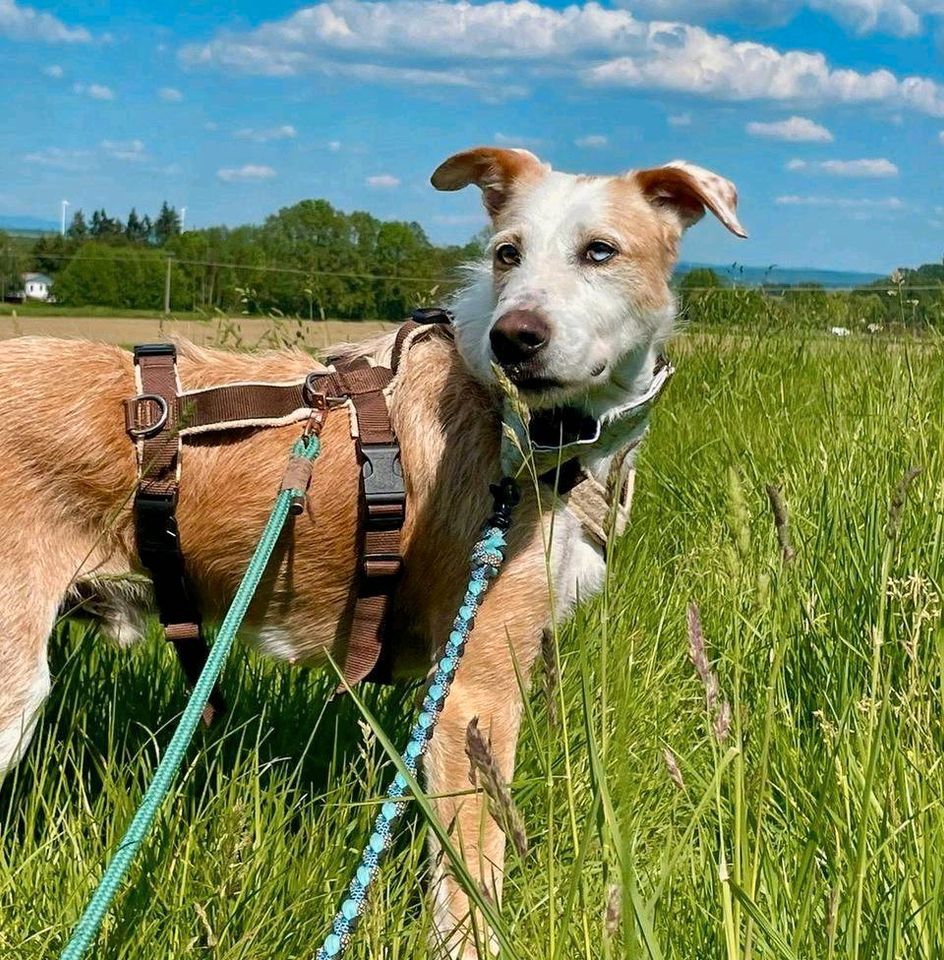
599 251
508 255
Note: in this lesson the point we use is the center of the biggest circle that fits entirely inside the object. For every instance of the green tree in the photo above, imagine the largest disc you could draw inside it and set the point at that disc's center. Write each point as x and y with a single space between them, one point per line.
51 253
167 225
701 278
11 266
104 227
136 230
101 274
78 229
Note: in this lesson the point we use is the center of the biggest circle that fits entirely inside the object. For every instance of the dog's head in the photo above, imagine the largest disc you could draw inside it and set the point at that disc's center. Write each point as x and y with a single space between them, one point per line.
577 272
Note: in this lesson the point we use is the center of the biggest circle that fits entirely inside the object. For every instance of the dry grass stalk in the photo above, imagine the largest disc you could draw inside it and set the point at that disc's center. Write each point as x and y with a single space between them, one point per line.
484 773
719 711
893 527
551 676
699 658
781 521
614 911
671 764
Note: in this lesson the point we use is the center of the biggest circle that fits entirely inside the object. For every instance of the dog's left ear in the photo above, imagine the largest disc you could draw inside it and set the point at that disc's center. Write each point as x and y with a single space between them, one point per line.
688 190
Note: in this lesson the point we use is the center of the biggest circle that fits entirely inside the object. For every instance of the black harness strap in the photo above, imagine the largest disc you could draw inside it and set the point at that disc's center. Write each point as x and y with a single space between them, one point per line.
152 420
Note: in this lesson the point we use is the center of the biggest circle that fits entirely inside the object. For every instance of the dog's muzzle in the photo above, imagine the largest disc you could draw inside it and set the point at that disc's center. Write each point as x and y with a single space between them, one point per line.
517 338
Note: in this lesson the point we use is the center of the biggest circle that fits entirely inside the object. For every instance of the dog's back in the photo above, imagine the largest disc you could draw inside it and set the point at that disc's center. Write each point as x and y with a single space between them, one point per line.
70 473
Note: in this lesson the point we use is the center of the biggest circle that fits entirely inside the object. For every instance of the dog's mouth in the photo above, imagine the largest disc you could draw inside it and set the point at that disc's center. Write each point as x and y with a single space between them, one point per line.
534 382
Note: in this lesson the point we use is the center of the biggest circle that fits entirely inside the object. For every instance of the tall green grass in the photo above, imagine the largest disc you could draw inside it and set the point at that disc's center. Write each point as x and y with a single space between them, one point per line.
812 827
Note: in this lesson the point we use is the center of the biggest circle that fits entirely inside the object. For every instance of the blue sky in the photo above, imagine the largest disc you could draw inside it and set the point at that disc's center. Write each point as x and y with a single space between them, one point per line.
827 114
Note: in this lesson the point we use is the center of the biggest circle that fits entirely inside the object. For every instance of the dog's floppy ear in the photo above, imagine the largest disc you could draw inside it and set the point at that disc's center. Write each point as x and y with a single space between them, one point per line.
688 190
493 169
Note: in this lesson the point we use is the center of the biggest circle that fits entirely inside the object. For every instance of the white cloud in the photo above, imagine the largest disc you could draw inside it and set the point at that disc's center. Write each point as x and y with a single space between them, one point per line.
843 203
334 145
877 168
284 132
592 141
899 17
26 24
793 130
97 91
401 42
170 94
691 60
384 181
514 140
247 172
124 149
61 159
54 71
211 125
679 119
940 136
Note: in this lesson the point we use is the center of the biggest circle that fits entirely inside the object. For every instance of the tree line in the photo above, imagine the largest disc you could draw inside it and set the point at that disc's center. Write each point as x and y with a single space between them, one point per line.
309 259
312 260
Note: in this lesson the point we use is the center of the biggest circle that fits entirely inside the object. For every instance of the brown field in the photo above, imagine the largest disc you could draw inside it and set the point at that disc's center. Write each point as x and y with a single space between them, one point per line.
253 331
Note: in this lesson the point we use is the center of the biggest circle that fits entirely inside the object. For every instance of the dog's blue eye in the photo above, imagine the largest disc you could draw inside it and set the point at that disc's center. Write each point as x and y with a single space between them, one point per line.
508 254
599 251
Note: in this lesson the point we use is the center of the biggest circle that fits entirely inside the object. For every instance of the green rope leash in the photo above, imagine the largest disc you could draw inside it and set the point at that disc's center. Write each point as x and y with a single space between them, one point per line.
90 922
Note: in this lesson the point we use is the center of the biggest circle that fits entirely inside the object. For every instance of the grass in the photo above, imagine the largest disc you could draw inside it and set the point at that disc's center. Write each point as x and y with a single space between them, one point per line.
812 828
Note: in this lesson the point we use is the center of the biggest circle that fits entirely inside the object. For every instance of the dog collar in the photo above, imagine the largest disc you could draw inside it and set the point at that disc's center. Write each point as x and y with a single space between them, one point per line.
566 432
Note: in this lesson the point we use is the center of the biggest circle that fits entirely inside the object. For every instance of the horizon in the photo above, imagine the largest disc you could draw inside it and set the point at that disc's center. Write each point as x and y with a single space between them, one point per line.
50 229
828 117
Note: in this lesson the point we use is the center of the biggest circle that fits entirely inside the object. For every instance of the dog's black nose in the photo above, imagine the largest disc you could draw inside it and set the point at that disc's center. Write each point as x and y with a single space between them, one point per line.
518 336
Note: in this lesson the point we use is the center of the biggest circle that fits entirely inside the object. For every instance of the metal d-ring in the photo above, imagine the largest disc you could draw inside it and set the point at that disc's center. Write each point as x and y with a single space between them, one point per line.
142 433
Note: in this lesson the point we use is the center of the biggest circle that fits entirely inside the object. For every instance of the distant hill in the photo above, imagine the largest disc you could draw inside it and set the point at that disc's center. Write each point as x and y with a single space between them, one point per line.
792 276
19 224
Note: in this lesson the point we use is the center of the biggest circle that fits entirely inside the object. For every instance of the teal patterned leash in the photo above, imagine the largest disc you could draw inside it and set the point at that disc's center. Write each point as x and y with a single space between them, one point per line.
86 930
488 554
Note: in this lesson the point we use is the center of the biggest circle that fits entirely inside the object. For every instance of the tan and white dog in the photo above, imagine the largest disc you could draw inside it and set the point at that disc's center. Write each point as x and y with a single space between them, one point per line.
572 300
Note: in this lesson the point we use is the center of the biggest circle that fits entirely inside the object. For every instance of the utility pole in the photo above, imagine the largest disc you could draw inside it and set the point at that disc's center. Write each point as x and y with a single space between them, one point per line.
65 203
167 286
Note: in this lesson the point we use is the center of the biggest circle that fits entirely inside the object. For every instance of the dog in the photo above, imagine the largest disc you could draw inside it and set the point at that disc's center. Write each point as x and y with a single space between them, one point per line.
571 301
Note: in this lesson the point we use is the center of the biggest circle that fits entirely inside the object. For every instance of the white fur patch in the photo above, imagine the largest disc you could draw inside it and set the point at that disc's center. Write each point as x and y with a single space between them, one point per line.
16 736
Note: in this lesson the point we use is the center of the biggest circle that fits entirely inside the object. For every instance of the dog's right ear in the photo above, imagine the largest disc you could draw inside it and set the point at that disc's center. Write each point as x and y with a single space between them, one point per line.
493 169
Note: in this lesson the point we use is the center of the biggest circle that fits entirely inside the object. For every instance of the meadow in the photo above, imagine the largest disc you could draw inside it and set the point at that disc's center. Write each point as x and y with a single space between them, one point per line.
734 752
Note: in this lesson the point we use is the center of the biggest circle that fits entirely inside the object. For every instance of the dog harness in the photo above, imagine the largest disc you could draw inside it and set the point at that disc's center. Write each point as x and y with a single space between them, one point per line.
162 416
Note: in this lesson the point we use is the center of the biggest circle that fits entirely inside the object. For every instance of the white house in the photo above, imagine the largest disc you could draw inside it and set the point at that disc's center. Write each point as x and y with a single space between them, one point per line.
37 286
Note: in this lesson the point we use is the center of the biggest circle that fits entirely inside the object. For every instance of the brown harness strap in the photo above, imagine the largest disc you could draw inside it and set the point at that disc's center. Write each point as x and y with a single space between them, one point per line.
153 421
382 509
162 415
242 404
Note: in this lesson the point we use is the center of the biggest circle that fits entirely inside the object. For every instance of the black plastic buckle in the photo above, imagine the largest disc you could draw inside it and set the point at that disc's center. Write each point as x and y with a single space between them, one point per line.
383 474
154 350
156 524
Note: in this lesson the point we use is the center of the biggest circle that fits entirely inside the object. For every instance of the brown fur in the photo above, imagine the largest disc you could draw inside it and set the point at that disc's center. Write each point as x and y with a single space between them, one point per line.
64 518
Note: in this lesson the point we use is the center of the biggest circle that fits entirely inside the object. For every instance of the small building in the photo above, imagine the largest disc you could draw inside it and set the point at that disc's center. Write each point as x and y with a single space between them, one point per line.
37 286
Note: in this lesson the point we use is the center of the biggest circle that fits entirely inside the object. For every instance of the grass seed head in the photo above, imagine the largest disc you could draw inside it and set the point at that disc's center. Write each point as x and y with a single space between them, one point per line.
485 773
699 658
671 764
781 521
614 911
893 527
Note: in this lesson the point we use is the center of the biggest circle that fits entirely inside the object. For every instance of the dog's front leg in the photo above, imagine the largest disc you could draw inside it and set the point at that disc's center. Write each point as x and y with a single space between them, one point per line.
507 633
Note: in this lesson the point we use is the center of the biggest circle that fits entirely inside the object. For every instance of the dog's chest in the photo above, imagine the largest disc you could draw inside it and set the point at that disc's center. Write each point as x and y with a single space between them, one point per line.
577 563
